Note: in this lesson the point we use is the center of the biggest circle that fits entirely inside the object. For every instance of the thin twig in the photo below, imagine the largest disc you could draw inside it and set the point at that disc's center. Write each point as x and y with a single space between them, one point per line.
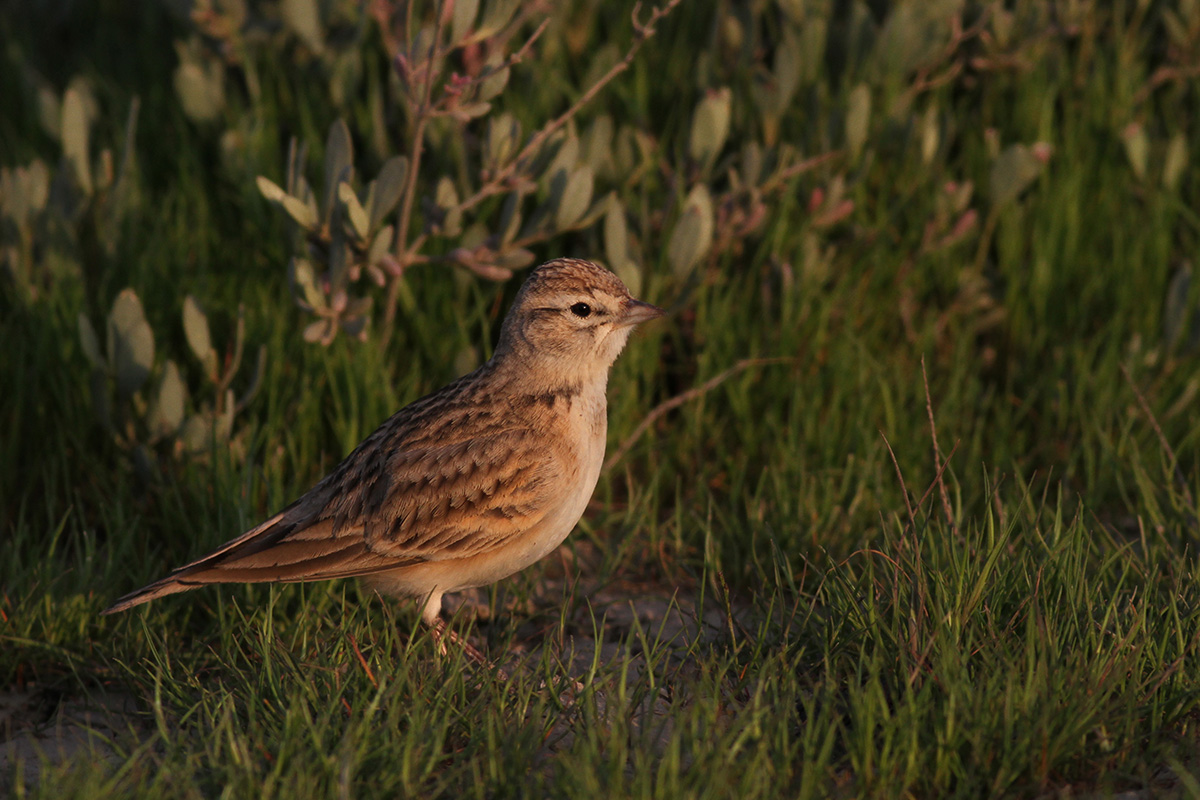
420 119
1162 75
937 453
516 57
641 33
680 399
366 667
912 517
784 175
938 476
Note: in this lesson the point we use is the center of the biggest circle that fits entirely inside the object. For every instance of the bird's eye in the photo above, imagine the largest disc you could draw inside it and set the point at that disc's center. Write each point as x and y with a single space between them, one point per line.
581 310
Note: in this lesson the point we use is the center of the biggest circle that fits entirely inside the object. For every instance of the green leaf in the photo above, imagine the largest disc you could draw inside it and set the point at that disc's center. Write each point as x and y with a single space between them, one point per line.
303 282
616 236
710 126
197 434
692 237
597 145
340 258
301 212
503 137
787 70
339 162
595 211
201 91
471 111
931 134
510 217
270 190
381 245
1137 148
858 119
388 187
1175 161
224 423
130 343
516 258
303 19
75 138
446 198
35 186
565 157
358 215
465 12
321 330
577 194
496 14
491 86
1012 172
167 414
195 328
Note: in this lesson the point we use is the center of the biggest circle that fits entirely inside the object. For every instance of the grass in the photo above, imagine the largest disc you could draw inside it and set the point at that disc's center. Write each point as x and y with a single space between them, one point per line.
769 595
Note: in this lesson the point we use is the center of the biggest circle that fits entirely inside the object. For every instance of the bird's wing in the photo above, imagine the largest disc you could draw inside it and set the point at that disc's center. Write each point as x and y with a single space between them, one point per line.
461 499
386 509
388 505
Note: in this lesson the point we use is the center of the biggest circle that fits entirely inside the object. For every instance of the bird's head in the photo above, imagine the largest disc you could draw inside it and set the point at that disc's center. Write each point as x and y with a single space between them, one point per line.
574 316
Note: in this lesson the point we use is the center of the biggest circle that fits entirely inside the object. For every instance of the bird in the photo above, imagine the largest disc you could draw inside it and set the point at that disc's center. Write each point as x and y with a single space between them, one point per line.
467 485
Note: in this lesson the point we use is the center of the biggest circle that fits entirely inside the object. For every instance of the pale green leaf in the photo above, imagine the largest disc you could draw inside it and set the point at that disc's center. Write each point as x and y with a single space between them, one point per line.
710 126
616 236
389 186
358 215
1012 172
195 328
465 12
692 237
858 119
167 414
301 212
577 194
1175 162
131 343
75 138
496 14
339 161
270 190
303 18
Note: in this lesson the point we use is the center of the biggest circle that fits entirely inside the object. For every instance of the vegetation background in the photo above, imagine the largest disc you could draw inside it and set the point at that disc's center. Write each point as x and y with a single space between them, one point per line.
903 494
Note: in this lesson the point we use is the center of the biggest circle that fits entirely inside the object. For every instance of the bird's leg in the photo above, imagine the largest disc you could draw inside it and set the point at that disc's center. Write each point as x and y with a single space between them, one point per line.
442 633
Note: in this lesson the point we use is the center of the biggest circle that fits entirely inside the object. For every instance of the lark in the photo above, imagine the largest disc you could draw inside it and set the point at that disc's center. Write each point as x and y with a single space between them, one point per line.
468 485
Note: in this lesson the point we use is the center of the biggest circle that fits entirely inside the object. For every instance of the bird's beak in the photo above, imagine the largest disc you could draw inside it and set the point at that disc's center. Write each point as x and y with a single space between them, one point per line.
636 312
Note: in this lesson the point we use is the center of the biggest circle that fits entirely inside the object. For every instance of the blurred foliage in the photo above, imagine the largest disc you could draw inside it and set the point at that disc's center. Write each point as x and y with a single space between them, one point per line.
123 367
48 217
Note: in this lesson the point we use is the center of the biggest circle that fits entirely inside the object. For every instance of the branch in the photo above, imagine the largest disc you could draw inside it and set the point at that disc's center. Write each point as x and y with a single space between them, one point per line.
937 453
680 399
642 32
420 118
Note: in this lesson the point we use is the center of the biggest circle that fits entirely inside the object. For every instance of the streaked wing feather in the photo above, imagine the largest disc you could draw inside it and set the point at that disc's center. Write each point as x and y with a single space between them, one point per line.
463 499
429 504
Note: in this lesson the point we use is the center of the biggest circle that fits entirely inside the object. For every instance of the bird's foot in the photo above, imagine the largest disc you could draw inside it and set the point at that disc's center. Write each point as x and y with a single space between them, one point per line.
443 634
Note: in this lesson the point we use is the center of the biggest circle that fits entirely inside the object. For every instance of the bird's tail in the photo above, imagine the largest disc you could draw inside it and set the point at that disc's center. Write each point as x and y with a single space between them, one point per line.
160 588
